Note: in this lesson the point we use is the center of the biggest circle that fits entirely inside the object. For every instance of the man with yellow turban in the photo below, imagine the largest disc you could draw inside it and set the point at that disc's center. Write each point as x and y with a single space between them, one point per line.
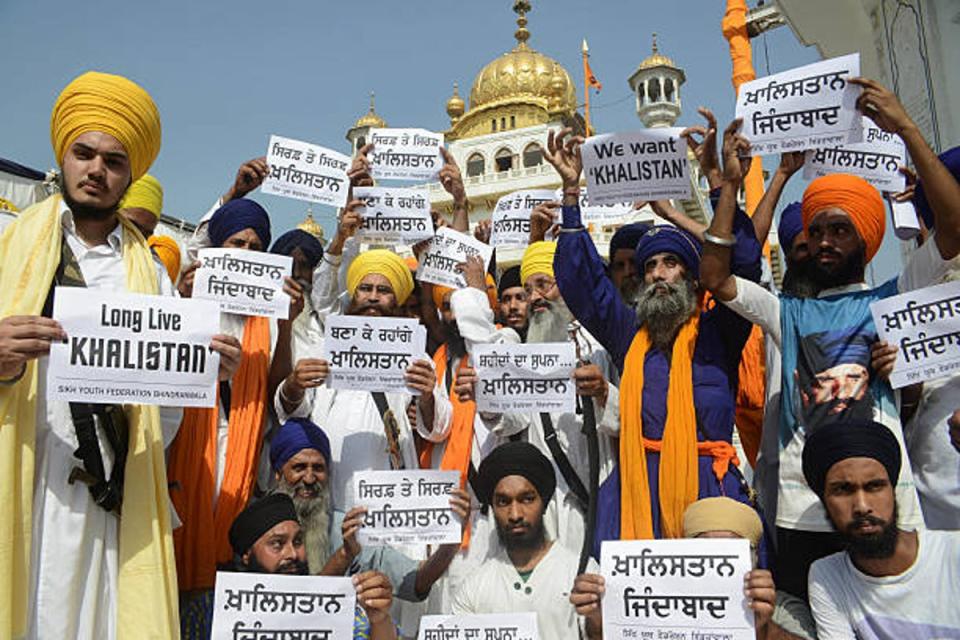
70 565
828 377
142 204
168 251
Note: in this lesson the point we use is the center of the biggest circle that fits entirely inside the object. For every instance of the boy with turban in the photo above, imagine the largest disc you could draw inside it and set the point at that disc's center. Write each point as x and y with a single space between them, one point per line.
843 219
71 565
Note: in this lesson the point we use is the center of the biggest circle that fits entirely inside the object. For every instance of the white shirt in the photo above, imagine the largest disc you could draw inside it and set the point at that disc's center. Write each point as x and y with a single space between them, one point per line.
920 603
497 588
74 563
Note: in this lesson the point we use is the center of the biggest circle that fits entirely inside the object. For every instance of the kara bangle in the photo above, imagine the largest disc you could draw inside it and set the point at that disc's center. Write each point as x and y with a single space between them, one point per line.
283 396
717 240
573 192
572 229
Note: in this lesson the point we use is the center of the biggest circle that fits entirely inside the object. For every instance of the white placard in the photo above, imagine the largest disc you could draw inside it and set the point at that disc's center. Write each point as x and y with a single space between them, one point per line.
127 348
672 588
636 165
394 215
511 217
372 354
925 326
247 283
515 626
906 223
405 154
306 171
407 507
804 108
877 159
603 214
525 378
262 605
447 250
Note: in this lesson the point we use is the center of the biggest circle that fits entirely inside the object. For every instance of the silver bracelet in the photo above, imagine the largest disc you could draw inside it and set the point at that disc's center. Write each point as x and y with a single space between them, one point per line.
286 399
717 240
572 229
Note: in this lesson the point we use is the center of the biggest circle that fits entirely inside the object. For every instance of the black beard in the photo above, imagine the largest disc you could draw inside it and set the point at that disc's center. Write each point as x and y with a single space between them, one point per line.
631 289
85 212
874 547
847 272
293 567
663 315
799 281
358 308
533 539
456 344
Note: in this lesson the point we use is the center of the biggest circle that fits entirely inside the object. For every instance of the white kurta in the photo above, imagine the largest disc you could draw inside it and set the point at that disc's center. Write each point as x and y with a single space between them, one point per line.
497 588
74 566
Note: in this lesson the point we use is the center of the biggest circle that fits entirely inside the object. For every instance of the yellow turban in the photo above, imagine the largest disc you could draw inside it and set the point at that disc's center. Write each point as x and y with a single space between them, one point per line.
385 263
168 251
722 514
538 258
145 193
109 104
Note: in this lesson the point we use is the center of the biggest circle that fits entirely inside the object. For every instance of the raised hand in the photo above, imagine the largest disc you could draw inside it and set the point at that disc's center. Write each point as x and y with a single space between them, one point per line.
705 150
736 150
295 290
542 218
250 175
564 154
451 179
474 273
359 172
882 106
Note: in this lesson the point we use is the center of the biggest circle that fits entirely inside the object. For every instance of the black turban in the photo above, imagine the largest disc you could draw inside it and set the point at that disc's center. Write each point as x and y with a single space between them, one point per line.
508 280
516 459
627 237
299 239
258 518
836 442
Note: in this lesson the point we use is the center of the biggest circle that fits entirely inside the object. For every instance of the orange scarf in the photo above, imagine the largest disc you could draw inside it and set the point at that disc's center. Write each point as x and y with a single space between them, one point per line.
751 395
679 475
456 455
201 542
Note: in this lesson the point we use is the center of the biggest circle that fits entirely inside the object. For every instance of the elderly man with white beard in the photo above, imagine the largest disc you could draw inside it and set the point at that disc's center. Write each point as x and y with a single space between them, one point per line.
559 435
300 455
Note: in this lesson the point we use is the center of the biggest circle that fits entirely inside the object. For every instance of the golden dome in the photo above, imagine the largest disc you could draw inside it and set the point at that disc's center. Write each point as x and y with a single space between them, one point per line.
657 59
523 75
455 105
370 119
310 226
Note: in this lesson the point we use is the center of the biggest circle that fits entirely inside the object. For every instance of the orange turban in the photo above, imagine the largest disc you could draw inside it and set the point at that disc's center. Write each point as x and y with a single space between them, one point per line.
857 198
439 293
168 251
492 293
109 104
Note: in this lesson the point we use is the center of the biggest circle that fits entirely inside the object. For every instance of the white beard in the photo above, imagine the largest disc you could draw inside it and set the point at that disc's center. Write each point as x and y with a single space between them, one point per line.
550 325
314 515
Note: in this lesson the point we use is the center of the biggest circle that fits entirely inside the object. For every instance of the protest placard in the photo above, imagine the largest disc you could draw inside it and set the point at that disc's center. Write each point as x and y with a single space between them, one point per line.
372 354
675 589
132 348
511 217
447 250
306 172
906 223
636 165
925 326
602 214
405 154
273 605
247 283
524 378
877 159
804 108
505 626
407 507
394 215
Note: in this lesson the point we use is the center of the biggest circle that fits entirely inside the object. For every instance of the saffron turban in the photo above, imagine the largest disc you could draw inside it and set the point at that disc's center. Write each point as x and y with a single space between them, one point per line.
412 263
722 514
665 238
836 442
258 519
854 196
109 104
627 237
299 239
385 263
440 292
146 193
235 216
951 160
509 279
516 459
791 225
168 251
538 258
294 436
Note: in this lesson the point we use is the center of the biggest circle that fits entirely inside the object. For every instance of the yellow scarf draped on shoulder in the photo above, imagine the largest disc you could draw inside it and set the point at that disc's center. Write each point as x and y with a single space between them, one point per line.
147 598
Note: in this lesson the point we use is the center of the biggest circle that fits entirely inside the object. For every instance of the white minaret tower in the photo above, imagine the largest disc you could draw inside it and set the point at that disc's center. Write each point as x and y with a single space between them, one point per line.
359 133
656 84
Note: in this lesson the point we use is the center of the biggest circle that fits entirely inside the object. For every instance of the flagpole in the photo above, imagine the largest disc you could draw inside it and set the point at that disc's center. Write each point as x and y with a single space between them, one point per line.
586 85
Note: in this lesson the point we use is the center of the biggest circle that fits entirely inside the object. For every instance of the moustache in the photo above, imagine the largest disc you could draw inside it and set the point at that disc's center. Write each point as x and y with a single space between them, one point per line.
865 520
539 304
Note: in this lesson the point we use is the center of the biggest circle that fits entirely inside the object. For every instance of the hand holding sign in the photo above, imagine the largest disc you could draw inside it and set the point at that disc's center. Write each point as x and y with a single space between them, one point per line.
736 153
359 172
882 106
542 219
586 596
250 175
761 596
375 595
230 351
24 338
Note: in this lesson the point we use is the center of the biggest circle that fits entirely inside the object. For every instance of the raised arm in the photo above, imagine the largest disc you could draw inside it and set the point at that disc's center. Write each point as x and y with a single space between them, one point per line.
452 181
671 214
705 149
790 163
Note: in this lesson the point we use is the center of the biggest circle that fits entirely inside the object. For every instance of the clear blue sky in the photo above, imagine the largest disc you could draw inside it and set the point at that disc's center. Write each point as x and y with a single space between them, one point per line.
226 75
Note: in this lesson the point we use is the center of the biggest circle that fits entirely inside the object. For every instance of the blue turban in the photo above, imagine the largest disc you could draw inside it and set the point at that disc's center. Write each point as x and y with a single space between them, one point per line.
294 436
951 159
235 216
843 346
299 239
628 236
668 239
791 224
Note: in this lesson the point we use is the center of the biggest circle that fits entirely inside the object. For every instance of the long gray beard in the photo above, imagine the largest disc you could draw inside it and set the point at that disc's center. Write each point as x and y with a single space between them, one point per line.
550 325
314 515
663 315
